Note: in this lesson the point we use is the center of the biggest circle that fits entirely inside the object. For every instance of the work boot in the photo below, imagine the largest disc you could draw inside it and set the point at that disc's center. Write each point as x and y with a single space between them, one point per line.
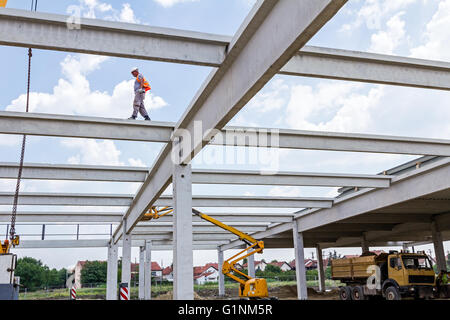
148 118
132 118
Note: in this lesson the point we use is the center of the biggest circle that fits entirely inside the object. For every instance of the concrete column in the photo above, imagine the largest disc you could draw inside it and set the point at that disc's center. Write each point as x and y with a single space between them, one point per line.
300 270
320 269
111 273
183 277
141 272
251 266
148 270
364 243
438 247
405 246
221 275
126 258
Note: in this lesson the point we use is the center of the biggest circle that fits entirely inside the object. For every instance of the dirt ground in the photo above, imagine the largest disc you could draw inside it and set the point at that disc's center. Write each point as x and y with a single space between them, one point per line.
281 293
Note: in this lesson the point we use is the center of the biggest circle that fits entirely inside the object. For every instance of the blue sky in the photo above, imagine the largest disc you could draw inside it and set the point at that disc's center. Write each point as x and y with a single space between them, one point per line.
65 83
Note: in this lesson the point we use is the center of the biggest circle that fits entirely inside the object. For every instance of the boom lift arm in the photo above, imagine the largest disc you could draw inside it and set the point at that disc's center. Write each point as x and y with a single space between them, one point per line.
249 287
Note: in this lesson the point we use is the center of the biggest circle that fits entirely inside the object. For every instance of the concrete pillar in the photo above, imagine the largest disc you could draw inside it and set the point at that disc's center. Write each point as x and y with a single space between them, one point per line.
300 270
148 270
141 272
251 266
364 243
438 247
111 273
221 275
126 258
404 246
320 269
183 277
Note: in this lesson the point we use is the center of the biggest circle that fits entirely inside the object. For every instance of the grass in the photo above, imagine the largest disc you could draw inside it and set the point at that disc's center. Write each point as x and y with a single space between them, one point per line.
100 292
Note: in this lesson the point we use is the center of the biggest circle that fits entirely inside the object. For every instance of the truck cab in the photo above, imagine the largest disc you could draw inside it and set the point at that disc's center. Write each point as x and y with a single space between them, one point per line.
411 274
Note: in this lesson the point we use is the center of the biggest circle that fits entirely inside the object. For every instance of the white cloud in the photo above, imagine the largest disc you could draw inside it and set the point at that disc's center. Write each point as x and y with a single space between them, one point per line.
136 162
374 12
95 9
93 152
73 94
437 35
170 3
386 41
284 191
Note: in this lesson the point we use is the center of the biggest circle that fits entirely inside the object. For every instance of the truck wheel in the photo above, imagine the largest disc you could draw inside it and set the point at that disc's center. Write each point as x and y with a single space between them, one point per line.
345 293
392 294
358 293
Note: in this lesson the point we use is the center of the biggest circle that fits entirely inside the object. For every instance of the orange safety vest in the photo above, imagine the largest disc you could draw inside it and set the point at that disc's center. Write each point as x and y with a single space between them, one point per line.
144 84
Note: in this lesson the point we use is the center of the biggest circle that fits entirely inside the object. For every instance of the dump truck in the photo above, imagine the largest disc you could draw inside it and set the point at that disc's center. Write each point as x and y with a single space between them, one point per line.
392 275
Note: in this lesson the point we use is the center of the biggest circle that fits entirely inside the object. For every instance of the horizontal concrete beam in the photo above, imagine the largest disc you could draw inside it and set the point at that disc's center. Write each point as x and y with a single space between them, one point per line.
49 31
66 199
348 65
9 170
288 178
63 217
96 243
195 229
80 199
117 129
266 217
332 141
83 127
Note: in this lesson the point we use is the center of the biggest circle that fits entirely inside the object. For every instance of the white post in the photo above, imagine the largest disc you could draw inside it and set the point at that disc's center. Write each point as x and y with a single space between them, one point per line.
320 269
126 259
251 265
221 275
183 278
141 272
300 271
111 274
438 247
148 270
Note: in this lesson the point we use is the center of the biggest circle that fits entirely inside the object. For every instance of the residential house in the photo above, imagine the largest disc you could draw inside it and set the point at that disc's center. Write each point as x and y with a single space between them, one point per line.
259 265
283 265
167 273
207 273
156 271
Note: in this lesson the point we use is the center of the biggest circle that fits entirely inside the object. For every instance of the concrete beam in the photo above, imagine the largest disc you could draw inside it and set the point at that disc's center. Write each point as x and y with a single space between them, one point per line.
100 37
118 129
126 261
49 31
233 217
320 269
83 127
220 260
142 266
66 199
63 217
197 229
348 65
38 171
289 179
333 141
438 246
417 183
223 94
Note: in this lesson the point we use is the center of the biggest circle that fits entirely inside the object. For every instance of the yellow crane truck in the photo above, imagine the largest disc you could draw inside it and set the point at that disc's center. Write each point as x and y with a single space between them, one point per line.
392 275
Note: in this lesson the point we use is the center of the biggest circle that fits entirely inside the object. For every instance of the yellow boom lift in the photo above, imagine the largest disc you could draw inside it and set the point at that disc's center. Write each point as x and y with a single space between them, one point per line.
252 288
3 3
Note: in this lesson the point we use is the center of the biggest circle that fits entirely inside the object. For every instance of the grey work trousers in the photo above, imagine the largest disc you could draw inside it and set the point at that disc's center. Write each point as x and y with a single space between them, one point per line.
138 105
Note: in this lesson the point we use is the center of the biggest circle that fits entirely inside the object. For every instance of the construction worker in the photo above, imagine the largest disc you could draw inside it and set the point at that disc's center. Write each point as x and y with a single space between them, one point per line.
141 86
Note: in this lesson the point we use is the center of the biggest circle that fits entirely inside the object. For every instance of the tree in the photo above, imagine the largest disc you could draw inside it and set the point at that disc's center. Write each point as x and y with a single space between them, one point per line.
272 269
31 272
94 272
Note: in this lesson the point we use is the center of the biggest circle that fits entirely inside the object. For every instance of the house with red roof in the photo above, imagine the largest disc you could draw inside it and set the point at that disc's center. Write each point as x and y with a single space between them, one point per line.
156 270
259 265
167 273
283 265
207 273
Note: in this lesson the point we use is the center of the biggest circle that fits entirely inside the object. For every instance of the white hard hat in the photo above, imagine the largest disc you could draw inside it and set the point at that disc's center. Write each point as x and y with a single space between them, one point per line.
134 69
